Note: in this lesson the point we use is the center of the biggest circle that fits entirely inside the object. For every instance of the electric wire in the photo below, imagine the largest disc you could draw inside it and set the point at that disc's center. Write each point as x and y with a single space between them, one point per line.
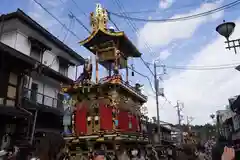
169 102
71 23
210 67
77 19
149 81
156 10
53 16
150 71
206 69
61 23
135 30
79 8
115 25
194 16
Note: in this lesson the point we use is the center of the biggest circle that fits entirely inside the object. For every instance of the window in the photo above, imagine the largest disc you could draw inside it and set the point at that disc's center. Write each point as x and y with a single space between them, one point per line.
11 92
3 85
36 54
26 83
1 101
13 78
63 69
10 102
60 101
12 89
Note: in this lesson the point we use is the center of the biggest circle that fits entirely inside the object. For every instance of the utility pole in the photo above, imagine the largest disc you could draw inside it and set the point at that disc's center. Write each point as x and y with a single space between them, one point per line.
179 109
189 120
156 82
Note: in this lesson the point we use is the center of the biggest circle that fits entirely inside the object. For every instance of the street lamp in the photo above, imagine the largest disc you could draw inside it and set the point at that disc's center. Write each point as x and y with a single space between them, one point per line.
226 29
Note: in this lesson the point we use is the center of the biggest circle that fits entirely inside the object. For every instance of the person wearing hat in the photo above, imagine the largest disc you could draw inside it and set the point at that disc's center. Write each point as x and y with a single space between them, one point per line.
99 155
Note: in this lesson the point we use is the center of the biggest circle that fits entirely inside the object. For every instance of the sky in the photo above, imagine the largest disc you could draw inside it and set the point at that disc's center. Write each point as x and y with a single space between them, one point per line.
184 44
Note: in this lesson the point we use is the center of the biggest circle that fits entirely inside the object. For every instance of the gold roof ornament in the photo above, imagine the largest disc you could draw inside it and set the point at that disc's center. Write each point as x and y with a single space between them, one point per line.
99 19
103 41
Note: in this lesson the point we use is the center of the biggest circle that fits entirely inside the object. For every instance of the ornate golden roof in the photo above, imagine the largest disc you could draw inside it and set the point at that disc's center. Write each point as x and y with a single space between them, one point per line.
101 34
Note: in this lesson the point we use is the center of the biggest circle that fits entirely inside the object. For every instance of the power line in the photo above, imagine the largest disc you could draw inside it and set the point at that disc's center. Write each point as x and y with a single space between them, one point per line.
207 68
80 22
115 25
150 83
62 24
79 8
169 102
71 23
134 29
156 10
204 66
227 6
147 65
201 67
77 19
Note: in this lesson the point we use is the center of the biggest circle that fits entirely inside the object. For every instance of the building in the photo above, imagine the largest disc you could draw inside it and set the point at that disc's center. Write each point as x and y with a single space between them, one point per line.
166 137
229 124
233 122
33 65
224 122
176 135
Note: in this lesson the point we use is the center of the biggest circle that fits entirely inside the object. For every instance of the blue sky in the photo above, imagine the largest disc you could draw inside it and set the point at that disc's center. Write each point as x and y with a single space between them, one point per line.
176 43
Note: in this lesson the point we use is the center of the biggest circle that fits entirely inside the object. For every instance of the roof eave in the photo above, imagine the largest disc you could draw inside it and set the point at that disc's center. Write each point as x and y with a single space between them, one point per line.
94 33
22 16
118 34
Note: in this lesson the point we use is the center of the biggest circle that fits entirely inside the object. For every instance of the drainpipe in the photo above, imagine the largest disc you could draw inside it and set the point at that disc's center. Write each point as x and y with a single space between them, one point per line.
2 25
76 72
36 112
1 32
34 127
20 90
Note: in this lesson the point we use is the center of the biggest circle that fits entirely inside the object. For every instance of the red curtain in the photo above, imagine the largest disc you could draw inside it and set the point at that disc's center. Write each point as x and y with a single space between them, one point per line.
81 120
134 123
123 121
138 123
106 122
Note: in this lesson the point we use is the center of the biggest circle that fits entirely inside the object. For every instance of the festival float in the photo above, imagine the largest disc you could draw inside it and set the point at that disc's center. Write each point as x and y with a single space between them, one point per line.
106 114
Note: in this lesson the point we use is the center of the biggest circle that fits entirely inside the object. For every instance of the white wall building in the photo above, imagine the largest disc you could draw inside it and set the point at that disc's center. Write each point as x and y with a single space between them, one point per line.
20 32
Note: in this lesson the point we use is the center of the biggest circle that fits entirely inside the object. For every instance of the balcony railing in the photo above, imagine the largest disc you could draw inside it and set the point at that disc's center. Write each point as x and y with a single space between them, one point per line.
42 99
167 137
133 88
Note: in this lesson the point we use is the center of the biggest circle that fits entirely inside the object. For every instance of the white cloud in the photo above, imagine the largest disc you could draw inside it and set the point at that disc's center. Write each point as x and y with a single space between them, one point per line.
165 3
161 34
163 55
203 92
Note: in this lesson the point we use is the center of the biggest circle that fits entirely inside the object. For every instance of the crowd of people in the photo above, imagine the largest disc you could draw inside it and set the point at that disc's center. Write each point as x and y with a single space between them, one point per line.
221 150
210 151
